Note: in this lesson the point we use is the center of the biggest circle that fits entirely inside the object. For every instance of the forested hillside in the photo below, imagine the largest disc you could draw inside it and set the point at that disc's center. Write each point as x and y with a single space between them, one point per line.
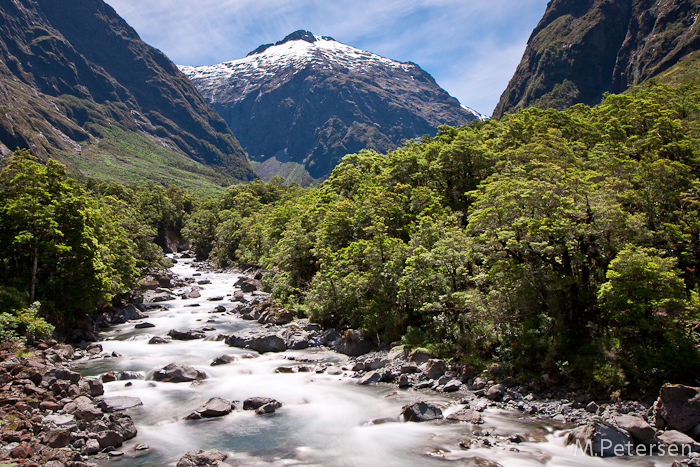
563 243
558 243
70 250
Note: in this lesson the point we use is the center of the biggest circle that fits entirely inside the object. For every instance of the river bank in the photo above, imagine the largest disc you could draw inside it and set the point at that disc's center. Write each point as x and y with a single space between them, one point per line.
206 342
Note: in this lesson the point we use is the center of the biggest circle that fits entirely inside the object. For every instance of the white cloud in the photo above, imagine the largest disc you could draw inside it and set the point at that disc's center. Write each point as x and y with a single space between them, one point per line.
471 47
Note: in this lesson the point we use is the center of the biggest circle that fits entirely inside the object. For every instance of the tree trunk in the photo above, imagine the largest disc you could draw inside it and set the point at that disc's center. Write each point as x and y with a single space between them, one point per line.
35 267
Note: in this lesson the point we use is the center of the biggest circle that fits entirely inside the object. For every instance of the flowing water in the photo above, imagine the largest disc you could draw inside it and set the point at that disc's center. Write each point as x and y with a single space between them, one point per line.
324 420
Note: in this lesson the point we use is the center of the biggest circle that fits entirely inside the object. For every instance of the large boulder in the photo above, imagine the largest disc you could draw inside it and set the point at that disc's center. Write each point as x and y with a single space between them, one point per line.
276 316
678 406
260 340
178 373
601 439
496 392
54 374
683 441
466 415
212 457
355 342
84 409
254 403
369 378
434 369
222 360
91 387
636 426
186 335
248 285
421 412
214 407
122 424
128 313
192 293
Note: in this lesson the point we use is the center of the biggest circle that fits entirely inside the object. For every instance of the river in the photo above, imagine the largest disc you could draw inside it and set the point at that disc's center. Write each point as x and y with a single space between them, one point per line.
325 419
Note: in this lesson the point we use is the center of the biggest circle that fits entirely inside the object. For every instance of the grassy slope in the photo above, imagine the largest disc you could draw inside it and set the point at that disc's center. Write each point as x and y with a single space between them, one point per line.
124 156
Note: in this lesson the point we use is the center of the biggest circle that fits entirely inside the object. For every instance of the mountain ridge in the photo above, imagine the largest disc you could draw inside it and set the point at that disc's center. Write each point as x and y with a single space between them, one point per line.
75 74
309 100
582 49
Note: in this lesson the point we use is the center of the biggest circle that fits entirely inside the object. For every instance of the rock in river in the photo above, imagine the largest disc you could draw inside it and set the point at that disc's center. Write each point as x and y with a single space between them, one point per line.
115 404
214 407
602 439
177 373
421 412
212 457
254 403
259 340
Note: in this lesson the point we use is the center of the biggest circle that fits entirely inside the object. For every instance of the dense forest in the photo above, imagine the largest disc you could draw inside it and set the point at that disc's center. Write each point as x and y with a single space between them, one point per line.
564 243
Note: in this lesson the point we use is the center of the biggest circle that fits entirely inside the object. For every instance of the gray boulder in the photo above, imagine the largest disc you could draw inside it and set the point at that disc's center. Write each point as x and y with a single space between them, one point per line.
434 369
84 409
421 412
214 407
355 342
496 392
636 426
452 385
109 438
91 387
254 403
369 378
60 374
602 439
119 403
193 293
177 373
678 406
260 340
676 438
267 409
249 285
57 438
223 360
276 316
212 457
186 335
159 340
297 339
122 424
466 415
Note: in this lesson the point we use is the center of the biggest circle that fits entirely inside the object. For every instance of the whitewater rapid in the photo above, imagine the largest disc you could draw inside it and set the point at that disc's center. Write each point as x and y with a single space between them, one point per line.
326 419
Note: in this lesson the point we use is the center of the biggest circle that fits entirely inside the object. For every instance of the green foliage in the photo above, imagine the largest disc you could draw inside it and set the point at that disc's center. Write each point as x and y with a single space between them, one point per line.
24 325
644 299
70 249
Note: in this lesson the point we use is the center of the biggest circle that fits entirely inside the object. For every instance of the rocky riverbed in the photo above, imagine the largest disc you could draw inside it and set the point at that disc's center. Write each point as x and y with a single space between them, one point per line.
208 371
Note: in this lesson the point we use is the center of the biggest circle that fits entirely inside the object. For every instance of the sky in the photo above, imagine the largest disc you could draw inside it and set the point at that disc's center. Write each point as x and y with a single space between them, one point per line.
470 47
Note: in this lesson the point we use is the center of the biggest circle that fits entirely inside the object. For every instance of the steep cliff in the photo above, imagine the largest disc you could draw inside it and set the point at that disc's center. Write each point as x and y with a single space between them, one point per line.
582 49
80 86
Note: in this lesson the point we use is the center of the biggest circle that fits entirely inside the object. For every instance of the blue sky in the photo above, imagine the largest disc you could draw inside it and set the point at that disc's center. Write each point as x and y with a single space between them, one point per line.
470 47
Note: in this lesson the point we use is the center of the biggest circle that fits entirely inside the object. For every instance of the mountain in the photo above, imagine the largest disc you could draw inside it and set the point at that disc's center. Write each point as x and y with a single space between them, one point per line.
78 85
582 49
300 105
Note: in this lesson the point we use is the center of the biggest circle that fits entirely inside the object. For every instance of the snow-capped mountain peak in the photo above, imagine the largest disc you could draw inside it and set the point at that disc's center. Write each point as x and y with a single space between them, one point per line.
294 53
309 100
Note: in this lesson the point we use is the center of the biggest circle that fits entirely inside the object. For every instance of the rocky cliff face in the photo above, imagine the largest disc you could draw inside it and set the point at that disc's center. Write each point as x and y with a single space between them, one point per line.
582 49
79 85
308 101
